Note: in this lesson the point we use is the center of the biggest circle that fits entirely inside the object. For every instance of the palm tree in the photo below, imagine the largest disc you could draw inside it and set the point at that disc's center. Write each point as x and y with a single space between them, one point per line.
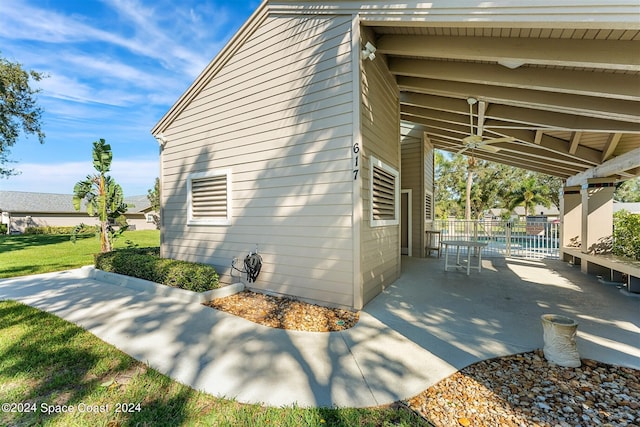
528 194
103 196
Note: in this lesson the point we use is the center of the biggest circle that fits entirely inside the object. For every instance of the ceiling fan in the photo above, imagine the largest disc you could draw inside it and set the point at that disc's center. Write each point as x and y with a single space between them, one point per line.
476 140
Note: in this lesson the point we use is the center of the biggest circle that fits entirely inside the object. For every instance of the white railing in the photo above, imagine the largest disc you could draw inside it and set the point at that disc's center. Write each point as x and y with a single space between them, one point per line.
528 239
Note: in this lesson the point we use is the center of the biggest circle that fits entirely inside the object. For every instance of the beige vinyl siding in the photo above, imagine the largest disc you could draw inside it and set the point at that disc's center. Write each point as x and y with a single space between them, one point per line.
413 178
380 126
278 116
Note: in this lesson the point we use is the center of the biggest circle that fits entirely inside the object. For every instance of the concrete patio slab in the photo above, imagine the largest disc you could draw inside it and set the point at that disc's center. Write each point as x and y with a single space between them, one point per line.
423 328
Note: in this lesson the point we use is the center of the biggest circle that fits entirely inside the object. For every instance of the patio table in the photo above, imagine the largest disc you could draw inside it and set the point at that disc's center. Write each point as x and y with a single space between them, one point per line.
463 243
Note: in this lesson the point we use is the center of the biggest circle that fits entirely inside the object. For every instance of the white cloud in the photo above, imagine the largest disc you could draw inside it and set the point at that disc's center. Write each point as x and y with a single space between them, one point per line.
20 21
135 176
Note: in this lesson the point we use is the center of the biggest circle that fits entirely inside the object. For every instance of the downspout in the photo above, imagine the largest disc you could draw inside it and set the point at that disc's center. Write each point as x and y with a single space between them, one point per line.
162 140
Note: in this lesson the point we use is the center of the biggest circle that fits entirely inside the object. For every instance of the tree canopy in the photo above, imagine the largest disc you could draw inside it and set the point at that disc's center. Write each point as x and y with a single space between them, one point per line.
628 191
153 195
19 110
493 185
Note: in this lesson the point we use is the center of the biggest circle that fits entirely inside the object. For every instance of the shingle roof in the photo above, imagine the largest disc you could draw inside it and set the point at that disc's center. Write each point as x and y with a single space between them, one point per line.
539 210
27 202
631 207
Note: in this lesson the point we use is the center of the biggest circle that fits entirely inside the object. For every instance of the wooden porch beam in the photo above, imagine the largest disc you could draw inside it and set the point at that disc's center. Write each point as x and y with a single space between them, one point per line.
624 163
577 82
610 147
611 109
604 54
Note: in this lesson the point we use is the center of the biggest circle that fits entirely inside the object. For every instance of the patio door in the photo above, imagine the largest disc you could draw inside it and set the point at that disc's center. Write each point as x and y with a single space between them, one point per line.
405 222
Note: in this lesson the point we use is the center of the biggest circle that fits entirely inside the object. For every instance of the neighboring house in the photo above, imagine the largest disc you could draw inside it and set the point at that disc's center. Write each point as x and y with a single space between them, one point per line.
139 214
301 141
552 213
26 209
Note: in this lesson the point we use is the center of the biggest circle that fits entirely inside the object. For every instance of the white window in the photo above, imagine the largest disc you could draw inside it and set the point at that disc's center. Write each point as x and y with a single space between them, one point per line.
385 194
209 198
149 218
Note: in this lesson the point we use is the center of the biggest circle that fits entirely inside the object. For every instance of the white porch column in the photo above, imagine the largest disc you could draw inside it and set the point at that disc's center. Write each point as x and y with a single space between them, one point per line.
570 217
597 214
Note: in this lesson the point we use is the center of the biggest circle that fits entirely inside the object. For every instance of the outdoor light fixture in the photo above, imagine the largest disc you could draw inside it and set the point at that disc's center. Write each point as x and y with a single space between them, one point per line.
161 138
368 52
511 63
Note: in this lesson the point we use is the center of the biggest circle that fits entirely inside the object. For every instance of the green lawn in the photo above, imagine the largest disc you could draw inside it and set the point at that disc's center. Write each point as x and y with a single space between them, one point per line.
21 255
49 365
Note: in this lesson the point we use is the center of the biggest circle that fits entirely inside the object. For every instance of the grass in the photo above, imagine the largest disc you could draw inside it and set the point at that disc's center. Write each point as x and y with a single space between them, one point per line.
21 255
49 364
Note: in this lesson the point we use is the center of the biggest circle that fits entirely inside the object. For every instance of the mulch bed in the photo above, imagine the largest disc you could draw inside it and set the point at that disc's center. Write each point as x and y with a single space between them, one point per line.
286 313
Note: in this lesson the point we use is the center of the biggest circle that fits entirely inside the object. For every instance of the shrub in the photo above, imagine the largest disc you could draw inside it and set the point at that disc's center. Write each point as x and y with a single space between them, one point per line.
145 263
190 276
626 234
57 230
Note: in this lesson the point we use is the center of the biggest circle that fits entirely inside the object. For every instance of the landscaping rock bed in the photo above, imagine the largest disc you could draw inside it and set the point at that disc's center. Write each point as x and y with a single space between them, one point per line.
526 390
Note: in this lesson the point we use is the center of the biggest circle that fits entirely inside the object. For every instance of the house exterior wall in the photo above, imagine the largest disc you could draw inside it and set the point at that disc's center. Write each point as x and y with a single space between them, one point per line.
413 179
138 221
278 116
20 221
380 128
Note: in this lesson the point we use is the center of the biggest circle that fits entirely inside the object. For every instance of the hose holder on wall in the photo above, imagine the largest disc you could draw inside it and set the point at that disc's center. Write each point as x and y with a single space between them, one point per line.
252 266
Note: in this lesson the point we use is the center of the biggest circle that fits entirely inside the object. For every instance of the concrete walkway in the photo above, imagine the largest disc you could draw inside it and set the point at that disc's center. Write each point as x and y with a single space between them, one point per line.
421 330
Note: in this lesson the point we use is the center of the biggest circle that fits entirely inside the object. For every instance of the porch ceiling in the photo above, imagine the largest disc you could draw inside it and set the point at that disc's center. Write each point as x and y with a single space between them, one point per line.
571 106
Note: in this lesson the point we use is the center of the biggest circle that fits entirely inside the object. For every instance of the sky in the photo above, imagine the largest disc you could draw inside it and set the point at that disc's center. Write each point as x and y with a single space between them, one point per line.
114 68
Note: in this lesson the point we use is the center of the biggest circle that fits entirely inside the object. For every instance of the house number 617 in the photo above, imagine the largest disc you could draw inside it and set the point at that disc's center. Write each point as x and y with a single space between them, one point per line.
356 160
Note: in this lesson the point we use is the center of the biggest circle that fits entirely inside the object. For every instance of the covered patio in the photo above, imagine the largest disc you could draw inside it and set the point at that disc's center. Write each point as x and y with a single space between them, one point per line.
497 312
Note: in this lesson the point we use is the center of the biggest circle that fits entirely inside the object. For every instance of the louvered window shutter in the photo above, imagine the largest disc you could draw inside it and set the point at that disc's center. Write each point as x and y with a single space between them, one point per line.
209 197
384 203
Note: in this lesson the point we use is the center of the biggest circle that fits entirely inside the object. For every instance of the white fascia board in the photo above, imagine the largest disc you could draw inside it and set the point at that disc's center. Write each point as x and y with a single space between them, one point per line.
621 14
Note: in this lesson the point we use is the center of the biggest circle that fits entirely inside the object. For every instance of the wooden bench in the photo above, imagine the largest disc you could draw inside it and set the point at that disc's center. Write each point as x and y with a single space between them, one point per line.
607 263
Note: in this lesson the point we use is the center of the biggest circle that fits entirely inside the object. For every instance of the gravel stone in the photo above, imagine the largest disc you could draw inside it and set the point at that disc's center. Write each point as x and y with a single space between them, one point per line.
595 394
513 391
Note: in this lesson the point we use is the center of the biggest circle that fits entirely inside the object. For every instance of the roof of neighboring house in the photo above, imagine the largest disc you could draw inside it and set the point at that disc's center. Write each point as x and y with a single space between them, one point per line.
138 203
631 207
28 202
538 210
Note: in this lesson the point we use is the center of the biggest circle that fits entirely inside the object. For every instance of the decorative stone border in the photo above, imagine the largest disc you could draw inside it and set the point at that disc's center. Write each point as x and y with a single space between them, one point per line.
147 286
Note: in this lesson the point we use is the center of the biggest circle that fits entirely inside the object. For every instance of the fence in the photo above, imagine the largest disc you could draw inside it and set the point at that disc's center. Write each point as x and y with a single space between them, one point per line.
527 239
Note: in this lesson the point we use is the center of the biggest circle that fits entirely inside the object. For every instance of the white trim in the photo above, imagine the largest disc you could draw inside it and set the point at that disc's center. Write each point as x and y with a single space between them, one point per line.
618 14
356 219
209 221
409 193
390 170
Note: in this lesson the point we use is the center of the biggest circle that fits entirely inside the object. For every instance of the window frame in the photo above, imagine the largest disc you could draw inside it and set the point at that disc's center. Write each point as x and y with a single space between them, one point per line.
211 221
375 162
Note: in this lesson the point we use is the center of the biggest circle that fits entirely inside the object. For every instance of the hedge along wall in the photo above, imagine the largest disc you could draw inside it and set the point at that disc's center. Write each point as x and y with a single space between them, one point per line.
145 263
